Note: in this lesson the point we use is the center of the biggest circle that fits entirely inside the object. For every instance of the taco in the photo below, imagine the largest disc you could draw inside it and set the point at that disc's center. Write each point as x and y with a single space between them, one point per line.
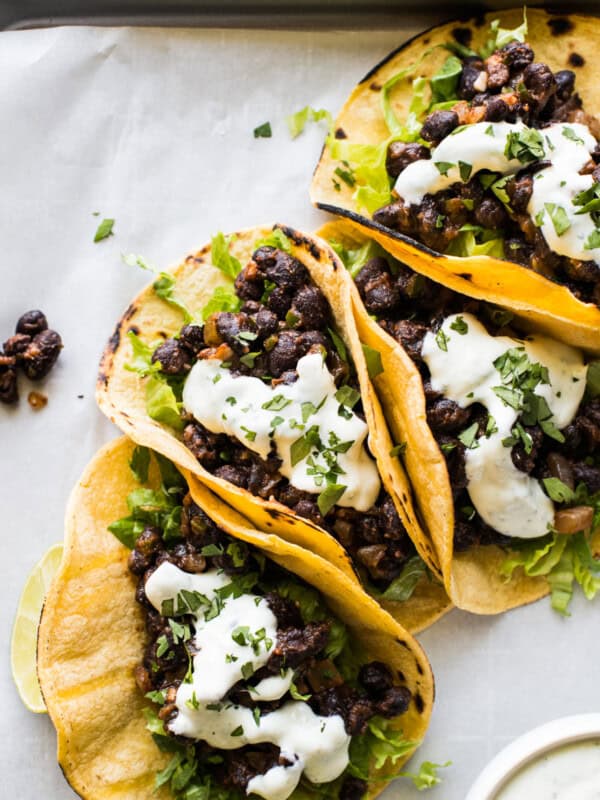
200 660
471 153
502 431
252 378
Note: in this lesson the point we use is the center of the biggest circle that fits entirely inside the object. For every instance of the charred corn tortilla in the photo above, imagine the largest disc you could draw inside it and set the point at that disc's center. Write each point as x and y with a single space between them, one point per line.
91 636
474 579
121 395
550 306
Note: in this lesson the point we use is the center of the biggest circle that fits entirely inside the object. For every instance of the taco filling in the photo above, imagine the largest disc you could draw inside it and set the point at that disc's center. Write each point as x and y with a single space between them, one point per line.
505 163
257 687
516 416
271 404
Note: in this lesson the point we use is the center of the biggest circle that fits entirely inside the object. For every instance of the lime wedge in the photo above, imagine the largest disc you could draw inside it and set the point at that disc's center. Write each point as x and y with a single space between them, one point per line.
24 636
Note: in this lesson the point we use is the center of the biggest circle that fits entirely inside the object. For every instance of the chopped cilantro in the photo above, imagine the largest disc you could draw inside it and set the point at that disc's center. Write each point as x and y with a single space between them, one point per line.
249 358
465 170
469 436
239 731
346 175
263 131
593 240
398 449
329 497
443 167
373 359
559 218
569 133
525 146
278 403
250 435
459 325
441 339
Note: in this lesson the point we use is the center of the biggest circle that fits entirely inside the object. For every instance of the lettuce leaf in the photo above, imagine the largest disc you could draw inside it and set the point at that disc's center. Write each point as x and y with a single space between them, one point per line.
378 746
473 240
142 356
161 403
298 121
402 587
276 238
426 777
163 286
222 258
222 299
354 260
499 37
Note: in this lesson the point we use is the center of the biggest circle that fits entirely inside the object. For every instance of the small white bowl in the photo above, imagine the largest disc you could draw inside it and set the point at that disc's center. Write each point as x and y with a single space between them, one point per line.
529 747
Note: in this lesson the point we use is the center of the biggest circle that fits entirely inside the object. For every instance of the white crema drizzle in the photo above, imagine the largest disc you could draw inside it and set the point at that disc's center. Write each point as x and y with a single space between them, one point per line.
567 146
508 500
314 745
235 405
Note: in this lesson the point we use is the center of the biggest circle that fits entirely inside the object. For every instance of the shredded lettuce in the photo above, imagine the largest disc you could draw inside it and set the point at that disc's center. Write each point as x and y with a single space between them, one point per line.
142 356
426 777
140 463
444 83
276 238
163 286
564 559
473 240
593 379
354 260
499 37
379 745
222 258
222 299
161 403
298 121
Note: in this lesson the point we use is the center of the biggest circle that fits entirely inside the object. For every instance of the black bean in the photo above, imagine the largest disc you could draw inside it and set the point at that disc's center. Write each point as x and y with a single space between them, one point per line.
401 154
173 357
517 55
438 125
491 214
32 322
310 308
41 354
9 391
496 110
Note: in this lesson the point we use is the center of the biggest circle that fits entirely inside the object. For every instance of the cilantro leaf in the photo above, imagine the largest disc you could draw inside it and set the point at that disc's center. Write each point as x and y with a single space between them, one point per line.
569 133
330 496
525 146
401 588
373 359
263 131
559 218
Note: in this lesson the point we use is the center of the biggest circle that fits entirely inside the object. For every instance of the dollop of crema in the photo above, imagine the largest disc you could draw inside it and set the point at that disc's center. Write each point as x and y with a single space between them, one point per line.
314 745
567 148
261 416
510 501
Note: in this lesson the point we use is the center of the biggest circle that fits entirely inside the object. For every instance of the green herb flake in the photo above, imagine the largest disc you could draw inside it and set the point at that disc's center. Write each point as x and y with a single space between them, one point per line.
558 491
248 434
104 230
278 403
465 170
569 133
249 358
347 396
329 497
459 325
373 359
398 450
239 731
345 175
559 218
525 146
263 131
256 716
469 436
593 240
443 167
489 131
441 339
247 670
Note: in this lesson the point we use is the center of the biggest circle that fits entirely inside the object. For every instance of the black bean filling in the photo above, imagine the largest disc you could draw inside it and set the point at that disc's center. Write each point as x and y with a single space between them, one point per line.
408 306
284 317
34 348
300 645
517 89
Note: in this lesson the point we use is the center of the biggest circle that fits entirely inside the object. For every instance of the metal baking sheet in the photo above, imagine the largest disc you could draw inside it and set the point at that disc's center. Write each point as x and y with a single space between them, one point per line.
154 128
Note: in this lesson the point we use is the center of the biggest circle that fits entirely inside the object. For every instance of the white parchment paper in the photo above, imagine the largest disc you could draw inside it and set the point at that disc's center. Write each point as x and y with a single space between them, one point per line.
154 128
